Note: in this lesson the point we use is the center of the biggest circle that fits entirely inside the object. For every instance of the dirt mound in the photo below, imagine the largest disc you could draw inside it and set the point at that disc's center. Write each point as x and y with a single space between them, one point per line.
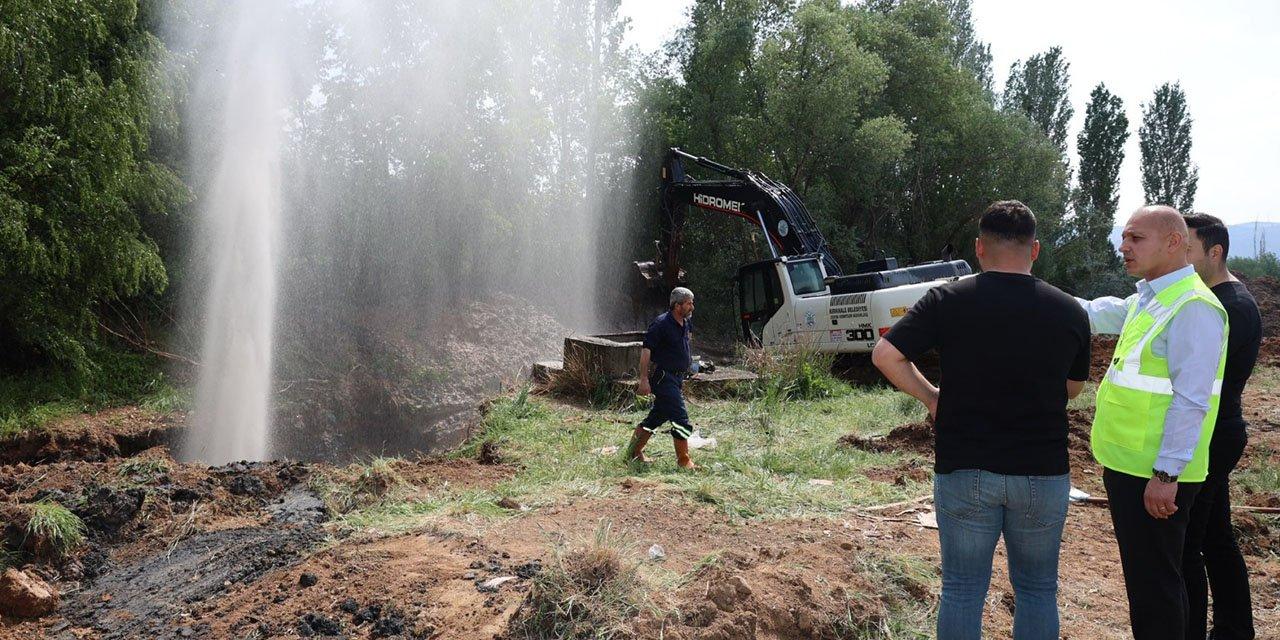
753 595
92 437
140 598
910 471
397 382
1253 535
413 586
1266 291
916 437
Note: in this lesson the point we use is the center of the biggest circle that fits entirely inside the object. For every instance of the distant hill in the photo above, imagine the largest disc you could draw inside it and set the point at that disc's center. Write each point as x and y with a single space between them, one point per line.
1242 237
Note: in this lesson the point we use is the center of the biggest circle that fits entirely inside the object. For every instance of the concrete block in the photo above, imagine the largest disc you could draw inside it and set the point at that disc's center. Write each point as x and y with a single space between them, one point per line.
542 372
602 356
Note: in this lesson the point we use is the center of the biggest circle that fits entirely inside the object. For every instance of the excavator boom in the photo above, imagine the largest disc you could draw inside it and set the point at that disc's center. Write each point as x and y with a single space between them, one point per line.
752 196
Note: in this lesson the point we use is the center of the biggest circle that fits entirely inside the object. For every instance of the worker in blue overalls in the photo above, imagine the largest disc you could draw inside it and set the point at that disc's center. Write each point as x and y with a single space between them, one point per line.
666 347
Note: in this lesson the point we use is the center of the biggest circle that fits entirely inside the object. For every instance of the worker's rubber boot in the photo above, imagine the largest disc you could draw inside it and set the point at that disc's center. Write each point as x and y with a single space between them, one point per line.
682 455
635 450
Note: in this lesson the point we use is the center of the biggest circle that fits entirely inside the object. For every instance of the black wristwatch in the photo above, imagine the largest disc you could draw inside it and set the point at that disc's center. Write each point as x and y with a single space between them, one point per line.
1162 476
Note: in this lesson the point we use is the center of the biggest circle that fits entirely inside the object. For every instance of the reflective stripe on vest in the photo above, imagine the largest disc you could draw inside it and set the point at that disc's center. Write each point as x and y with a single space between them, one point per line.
1133 399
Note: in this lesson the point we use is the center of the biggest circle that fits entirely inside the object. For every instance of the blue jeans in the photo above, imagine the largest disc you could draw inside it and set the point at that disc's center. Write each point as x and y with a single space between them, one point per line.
974 508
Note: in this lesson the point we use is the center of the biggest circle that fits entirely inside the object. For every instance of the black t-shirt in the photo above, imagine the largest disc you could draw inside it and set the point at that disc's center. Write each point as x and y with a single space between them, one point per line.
668 343
1244 336
1008 343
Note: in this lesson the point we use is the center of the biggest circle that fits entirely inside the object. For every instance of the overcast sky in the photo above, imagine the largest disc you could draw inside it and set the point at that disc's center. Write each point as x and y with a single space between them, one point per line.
1224 53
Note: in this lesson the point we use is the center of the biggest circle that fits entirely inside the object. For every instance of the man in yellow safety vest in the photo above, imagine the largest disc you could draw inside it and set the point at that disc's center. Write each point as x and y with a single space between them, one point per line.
1156 409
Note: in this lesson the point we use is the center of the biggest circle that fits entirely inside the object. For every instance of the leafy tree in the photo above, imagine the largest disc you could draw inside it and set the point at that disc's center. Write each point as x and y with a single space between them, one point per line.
865 111
1266 264
1168 176
1039 89
967 51
1101 148
83 94
1087 258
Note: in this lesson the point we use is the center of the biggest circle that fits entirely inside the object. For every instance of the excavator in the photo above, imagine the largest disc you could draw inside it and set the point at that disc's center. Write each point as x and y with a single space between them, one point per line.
801 296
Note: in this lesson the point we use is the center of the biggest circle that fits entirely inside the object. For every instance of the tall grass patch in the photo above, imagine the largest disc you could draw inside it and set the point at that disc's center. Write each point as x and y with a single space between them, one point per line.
588 590
797 373
52 531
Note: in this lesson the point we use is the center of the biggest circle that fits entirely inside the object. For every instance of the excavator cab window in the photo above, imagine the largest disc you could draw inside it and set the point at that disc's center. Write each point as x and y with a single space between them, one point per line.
806 277
759 297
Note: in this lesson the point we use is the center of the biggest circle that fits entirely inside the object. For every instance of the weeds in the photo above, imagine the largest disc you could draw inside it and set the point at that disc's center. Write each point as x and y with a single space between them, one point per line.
793 374
397 515
9 558
359 485
142 470
902 606
1258 477
577 379
588 591
52 530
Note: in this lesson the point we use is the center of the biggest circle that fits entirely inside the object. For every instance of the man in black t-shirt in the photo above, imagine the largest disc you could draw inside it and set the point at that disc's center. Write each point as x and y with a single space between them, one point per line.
1211 544
1013 350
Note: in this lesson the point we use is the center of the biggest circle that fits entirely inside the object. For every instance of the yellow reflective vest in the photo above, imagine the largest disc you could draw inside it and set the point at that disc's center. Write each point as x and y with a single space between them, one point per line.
1135 394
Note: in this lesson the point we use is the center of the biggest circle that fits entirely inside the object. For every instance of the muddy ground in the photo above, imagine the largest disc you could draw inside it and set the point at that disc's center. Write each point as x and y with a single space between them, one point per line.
244 550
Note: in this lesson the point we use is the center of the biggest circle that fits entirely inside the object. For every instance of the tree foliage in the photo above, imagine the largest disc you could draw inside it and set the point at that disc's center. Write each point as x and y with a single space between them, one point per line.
1088 261
1168 176
967 51
1101 148
83 94
1039 88
894 146
1266 264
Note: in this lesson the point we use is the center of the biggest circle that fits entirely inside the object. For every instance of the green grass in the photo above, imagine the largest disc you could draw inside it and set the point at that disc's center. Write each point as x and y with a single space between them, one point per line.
396 516
1258 477
140 471
767 452
769 448
54 528
32 399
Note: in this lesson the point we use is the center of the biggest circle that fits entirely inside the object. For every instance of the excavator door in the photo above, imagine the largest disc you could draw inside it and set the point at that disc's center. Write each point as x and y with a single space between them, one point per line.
759 297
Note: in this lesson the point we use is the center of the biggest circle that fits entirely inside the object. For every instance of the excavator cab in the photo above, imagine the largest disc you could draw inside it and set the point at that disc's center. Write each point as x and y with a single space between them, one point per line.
764 288
759 297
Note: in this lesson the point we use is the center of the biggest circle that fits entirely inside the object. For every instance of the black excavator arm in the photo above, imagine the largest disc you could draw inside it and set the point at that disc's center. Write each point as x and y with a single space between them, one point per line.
750 195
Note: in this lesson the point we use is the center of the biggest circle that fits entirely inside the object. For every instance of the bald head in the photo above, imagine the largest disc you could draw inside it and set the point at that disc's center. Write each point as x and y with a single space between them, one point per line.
1154 241
1162 219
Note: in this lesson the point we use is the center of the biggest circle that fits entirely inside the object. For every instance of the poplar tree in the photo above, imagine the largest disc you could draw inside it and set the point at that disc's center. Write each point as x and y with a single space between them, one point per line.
1168 176
1100 146
1087 258
1038 88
